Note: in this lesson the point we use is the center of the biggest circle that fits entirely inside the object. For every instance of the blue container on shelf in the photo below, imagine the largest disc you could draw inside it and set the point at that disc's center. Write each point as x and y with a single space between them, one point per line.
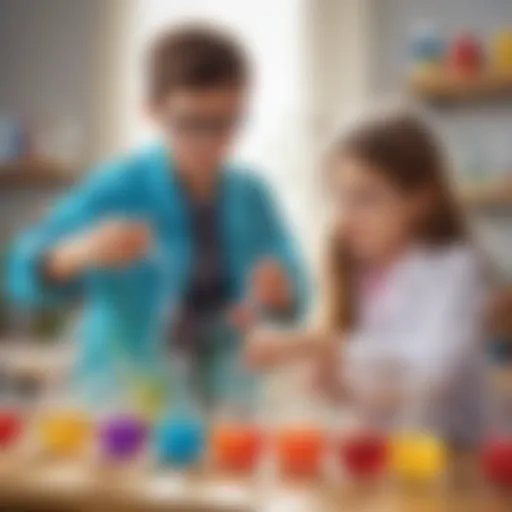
426 50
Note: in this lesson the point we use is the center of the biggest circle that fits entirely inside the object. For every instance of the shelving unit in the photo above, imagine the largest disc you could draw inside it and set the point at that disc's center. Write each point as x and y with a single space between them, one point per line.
35 174
454 88
495 195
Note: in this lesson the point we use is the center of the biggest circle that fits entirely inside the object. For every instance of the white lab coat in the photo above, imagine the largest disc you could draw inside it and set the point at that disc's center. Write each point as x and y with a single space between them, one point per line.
421 341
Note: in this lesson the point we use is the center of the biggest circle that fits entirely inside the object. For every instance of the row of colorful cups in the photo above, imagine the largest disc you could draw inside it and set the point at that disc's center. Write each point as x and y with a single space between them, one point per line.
184 442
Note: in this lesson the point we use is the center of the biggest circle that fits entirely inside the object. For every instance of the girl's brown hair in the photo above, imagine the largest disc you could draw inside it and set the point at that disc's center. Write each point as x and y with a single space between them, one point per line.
405 150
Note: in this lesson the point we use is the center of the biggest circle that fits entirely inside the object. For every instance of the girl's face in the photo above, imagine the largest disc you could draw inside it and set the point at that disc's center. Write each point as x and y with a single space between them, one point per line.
375 218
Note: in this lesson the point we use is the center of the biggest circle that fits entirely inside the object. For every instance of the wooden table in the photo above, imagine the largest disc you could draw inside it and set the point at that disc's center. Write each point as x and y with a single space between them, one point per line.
55 486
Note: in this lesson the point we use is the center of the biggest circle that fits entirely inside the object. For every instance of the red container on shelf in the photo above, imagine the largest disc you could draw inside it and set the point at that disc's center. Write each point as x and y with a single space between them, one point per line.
364 454
497 460
11 427
236 446
300 450
466 55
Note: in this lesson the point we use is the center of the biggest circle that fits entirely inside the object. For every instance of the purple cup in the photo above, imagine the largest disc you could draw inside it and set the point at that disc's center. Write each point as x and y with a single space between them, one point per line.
123 436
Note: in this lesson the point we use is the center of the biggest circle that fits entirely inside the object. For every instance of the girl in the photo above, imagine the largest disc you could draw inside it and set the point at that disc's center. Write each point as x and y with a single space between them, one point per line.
403 299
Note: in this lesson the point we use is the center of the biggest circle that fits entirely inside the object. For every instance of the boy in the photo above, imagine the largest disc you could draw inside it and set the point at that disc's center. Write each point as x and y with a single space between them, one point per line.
217 235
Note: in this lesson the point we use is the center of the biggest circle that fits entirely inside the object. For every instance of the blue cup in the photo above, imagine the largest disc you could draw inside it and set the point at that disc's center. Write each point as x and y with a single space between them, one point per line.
179 441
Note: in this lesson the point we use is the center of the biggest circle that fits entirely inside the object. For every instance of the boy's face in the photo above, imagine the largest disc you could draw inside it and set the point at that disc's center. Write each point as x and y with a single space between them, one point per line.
201 125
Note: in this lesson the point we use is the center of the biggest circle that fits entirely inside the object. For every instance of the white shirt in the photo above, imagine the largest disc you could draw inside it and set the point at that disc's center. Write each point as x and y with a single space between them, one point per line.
420 339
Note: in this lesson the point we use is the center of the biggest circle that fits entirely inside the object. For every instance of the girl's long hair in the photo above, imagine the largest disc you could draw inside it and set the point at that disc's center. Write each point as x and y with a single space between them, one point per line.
404 149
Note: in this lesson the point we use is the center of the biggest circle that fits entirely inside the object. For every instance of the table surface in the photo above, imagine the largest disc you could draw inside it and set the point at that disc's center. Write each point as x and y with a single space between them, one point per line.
62 485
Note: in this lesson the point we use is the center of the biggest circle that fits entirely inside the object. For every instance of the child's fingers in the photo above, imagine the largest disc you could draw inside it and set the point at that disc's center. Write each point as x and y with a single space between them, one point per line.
241 317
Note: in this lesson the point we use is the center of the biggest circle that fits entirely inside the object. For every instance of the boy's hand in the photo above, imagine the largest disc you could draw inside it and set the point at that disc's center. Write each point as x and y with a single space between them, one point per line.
113 243
270 286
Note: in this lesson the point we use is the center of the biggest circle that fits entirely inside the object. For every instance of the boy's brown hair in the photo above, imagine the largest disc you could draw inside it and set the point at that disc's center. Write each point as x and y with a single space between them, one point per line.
194 57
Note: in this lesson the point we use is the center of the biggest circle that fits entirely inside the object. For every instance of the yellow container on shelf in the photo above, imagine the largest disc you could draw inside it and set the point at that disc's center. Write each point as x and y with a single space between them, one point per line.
417 457
501 51
65 432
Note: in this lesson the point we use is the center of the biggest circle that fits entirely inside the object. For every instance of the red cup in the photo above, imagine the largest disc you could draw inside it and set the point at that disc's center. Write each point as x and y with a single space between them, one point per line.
497 461
364 454
11 426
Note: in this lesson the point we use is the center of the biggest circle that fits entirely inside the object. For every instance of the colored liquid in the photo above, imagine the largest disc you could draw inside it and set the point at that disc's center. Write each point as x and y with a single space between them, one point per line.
497 461
123 437
11 427
180 441
65 432
418 457
236 447
300 450
364 454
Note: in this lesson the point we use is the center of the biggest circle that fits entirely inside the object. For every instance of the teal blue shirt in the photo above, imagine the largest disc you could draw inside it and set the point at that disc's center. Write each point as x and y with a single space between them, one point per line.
127 313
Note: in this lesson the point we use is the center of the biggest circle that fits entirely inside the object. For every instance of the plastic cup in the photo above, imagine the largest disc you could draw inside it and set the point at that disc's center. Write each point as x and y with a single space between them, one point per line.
496 459
122 437
179 442
364 454
418 457
11 427
299 449
236 446
65 432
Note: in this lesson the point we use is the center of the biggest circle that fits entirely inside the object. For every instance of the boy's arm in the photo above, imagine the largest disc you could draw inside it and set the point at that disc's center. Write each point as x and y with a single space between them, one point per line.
284 250
26 279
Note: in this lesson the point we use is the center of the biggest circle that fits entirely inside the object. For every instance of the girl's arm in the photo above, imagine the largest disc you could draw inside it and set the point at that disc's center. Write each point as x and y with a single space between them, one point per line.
271 346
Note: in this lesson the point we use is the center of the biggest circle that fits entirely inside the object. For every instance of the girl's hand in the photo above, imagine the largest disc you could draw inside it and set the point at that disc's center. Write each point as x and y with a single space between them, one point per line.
327 373
266 348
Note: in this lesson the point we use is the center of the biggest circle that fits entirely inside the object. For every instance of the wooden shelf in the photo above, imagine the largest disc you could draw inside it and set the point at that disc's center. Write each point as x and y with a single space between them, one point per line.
452 88
34 174
497 195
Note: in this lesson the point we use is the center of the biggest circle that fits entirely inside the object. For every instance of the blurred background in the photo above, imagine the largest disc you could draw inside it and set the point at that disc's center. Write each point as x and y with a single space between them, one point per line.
70 96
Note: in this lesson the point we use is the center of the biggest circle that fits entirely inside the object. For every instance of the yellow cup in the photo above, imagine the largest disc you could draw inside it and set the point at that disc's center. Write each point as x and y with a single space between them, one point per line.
501 51
418 457
65 433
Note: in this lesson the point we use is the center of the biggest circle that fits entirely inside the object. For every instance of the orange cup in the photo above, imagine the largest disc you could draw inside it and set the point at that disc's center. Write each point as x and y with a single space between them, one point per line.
299 449
236 447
